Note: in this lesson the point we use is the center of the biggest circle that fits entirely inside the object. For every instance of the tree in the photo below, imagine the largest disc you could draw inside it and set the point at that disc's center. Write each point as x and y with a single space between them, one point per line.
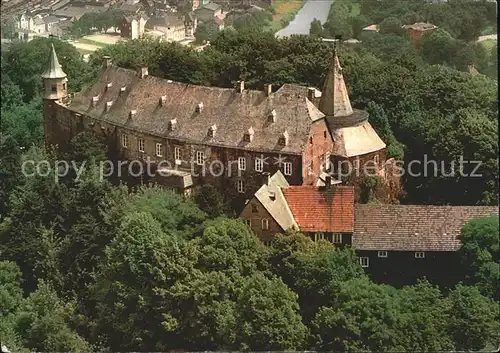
207 32
480 254
267 316
363 317
211 201
473 319
439 47
316 28
424 317
391 25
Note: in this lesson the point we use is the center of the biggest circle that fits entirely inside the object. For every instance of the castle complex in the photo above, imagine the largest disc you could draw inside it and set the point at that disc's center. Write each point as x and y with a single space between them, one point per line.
231 138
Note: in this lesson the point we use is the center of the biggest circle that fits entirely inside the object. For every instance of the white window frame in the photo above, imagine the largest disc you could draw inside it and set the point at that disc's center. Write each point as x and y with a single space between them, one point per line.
124 140
159 149
364 261
419 254
339 238
141 144
240 186
376 159
177 153
382 254
265 224
319 236
287 168
242 163
200 157
259 164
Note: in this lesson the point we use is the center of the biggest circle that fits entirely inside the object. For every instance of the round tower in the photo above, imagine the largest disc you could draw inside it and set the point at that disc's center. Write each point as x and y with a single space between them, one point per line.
55 81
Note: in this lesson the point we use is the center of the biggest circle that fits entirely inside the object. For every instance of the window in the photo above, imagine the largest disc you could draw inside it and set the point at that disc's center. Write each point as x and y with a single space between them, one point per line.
324 134
240 185
382 254
140 145
337 238
200 157
356 163
64 86
255 209
124 141
259 164
177 153
319 236
54 88
248 222
311 140
158 150
287 168
375 159
242 163
419 254
364 261
265 224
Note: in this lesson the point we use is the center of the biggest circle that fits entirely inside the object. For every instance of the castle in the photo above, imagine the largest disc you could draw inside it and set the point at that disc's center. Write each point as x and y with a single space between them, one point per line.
231 138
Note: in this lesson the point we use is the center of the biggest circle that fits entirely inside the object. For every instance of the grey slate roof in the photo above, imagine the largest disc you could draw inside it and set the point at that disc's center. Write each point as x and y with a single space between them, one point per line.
55 69
232 112
212 6
164 21
413 227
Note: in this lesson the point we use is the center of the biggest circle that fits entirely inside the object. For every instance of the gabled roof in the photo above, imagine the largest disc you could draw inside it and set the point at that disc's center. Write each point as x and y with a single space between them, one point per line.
271 197
55 69
420 26
412 227
164 21
328 209
233 112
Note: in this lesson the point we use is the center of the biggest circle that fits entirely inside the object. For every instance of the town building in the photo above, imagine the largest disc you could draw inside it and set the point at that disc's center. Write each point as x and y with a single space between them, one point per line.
169 27
132 26
417 30
395 244
208 12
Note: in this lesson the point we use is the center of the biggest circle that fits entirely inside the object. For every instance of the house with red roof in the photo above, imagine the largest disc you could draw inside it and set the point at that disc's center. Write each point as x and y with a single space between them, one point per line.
396 244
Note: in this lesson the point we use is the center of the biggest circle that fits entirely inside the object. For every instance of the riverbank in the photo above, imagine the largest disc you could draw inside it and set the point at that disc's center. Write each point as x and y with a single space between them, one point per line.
285 12
301 22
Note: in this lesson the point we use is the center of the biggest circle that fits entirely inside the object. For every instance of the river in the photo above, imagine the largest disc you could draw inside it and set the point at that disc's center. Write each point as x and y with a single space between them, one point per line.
302 22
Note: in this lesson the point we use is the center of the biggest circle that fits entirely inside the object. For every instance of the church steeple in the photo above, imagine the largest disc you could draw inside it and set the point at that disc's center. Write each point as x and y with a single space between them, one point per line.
54 79
334 97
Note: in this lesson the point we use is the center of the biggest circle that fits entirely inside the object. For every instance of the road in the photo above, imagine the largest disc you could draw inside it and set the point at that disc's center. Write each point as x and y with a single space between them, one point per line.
312 9
488 37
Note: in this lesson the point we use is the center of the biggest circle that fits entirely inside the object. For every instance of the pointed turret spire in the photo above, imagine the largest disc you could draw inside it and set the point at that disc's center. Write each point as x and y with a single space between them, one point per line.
334 97
54 70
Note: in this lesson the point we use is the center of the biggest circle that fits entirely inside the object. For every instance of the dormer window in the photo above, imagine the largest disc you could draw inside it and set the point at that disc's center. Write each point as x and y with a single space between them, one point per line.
272 195
172 125
272 116
109 85
163 100
199 107
283 140
212 130
132 113
108 105
248 136
123 89
95 99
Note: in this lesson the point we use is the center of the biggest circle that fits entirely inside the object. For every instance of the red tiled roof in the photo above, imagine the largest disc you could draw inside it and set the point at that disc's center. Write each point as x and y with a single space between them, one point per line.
412 227
322 210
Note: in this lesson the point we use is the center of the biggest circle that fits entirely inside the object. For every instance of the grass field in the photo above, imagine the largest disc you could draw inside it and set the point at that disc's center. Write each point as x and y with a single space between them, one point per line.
285 10
93 42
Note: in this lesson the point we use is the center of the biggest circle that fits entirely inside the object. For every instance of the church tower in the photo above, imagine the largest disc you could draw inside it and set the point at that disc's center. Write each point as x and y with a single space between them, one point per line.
55 81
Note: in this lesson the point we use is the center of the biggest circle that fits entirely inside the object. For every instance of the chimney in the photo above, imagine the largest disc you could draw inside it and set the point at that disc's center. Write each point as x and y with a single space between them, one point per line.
144 72
268 88
272 116
163 99
311 93
95 100
132 113
108 105
241 86
107 61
